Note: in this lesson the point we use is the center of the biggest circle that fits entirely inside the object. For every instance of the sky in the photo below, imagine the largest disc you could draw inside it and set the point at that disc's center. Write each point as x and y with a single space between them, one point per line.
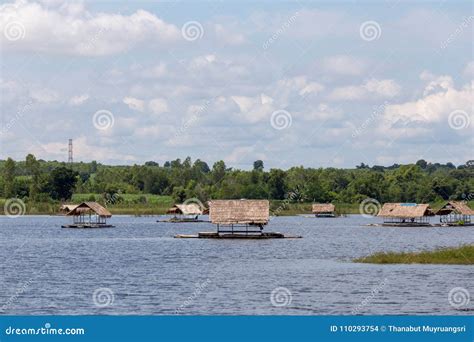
318 84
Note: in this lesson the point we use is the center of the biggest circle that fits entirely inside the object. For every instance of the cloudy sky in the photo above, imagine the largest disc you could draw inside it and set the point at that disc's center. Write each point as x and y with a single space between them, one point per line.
291 83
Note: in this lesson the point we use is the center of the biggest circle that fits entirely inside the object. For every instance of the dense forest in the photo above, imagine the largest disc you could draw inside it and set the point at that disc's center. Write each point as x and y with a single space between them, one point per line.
35 180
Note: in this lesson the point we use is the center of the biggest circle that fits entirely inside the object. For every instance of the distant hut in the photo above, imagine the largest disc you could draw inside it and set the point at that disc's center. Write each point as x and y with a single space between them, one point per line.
324 209
66 208
185 212
455 213
406 214
239 216
89 215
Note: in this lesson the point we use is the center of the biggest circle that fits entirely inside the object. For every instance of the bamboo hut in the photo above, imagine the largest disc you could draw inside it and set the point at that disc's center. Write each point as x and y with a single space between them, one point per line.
239 216
455 213
406 214
185 212
324 210
239 219
89 215
66 208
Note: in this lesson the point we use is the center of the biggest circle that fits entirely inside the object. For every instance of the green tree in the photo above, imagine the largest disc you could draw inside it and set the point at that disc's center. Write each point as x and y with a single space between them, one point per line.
179 194
218 171
33 169
277 184
258 165
61 183
9 178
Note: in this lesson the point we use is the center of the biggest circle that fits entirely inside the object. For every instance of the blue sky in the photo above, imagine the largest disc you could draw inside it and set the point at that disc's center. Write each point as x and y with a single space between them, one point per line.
291 83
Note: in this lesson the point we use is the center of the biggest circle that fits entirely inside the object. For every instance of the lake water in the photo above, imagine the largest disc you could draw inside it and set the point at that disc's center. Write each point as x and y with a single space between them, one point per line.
138 268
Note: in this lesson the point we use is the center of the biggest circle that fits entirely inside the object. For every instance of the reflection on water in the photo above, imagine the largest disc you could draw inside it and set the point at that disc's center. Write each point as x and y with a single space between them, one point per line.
138 268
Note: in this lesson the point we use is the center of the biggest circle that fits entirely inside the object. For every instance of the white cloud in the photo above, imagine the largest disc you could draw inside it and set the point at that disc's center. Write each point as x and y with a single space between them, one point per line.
78 99
344 65
438 84
469 69
322 112
44 95
372 87
83 150
134 103
228 36
434 106
70 29
157 71
252 109
244 153
158 106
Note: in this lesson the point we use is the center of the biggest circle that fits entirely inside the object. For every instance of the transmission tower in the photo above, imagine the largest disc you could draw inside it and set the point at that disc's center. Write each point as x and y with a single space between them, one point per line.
69 159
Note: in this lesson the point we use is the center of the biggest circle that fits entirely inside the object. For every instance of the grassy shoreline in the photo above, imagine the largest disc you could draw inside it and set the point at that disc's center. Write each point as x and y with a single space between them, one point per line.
462 255
147 204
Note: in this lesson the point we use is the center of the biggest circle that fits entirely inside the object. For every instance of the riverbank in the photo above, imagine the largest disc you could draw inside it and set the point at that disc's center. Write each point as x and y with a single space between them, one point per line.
148 204
463 255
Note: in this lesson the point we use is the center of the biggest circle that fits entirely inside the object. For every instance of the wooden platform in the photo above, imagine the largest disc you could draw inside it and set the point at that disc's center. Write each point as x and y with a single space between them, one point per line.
87 225
215 235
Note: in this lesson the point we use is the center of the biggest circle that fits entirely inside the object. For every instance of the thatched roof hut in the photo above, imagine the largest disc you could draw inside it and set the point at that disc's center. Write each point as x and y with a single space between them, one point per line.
248 212
455 207
66 208
90 208
455 213
185 209
405 210
323 208
89 215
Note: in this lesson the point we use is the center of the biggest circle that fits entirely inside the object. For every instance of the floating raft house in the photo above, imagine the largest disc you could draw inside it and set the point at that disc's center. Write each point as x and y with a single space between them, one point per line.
455 213
324 210
406 214
89 215
185 213
239 219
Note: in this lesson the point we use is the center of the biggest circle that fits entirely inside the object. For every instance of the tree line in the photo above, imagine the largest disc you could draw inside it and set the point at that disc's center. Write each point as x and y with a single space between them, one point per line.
41 181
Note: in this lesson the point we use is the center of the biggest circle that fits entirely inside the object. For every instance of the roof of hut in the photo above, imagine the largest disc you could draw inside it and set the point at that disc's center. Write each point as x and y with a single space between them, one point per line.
186 209
239 211
405 210
323 208
457 207
86 207
67 207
